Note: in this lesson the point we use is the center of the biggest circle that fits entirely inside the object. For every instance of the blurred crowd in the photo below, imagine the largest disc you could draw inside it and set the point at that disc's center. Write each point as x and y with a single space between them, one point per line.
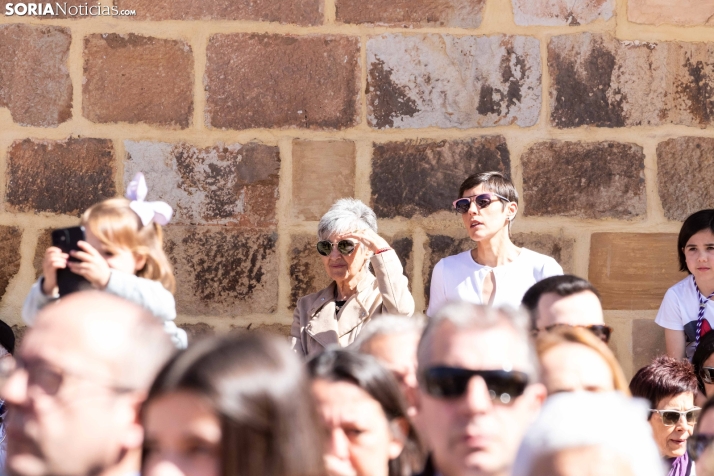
508 371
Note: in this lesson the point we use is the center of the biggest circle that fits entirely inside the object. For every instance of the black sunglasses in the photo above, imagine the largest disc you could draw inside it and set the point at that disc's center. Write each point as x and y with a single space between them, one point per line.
707 374
345 247
698 444
671 417
462 205
600 331
452 382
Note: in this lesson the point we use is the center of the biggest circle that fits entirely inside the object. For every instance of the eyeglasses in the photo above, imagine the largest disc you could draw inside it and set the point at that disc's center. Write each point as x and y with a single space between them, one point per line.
452 382
345 247
707 374
671 417
462 205
600 331
698 444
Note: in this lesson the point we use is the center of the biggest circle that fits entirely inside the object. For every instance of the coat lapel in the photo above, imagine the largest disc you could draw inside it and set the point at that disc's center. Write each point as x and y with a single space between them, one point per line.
322 325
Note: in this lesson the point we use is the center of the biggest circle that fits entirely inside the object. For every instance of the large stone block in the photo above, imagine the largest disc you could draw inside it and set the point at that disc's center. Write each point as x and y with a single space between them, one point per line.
412 13
600 81
229 184
323 171
683 174
561 12
681 12
44 241
59 176
423 177
135 79
263 80
226 271
34 77
435 80
584 180
10 239
301 12
632 271
647 342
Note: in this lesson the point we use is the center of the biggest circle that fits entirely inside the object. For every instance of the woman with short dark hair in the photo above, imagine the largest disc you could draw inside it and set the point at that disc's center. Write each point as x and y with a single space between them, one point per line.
495 272
233 406
669 385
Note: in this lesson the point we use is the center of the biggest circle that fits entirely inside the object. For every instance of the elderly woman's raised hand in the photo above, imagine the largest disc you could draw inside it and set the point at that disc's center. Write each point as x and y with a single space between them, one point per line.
370 239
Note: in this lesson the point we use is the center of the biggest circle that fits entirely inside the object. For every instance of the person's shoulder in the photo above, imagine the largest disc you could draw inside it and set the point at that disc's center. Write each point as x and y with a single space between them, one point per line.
685 287
306 302
458 259
537 259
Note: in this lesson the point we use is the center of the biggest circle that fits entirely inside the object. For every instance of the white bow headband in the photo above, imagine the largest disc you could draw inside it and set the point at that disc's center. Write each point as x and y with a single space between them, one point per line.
157 212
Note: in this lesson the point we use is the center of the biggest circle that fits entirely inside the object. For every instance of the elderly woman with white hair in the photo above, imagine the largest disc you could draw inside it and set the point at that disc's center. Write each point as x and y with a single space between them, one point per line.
348 243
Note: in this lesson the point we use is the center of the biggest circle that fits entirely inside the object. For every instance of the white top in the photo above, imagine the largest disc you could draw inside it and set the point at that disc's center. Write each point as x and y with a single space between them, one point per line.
680 309
460 278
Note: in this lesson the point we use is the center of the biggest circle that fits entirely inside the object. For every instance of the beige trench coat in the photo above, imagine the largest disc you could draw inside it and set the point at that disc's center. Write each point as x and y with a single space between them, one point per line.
315 325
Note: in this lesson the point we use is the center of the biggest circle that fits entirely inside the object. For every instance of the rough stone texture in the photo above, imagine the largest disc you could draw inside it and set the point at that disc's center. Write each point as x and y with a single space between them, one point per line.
44 241
441 246
59 176
647 342
198 331
435 80
422 177
307 273
584 180
683 167
34 77
600 81
226 184
58 15
412 13
227 271
19 332
10 238
301 12
561 12
680 12
323 171
632 271
262 80
275 329
137 79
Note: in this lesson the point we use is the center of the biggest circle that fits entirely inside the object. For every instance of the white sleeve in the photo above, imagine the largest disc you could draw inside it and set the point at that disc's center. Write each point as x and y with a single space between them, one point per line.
35 301
437 291
551 268
669 314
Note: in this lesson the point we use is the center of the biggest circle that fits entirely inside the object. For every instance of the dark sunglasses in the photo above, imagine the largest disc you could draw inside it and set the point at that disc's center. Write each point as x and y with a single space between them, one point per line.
462 205
698 444
601 332
671 417
345 247
452 382
707 374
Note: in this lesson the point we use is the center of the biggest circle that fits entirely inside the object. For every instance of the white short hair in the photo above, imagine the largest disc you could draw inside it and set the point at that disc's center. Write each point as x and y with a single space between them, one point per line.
344 216
606 421
386 325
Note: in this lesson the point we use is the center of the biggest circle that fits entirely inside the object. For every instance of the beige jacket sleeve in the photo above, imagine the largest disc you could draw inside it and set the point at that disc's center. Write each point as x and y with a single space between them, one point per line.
393 285
297 330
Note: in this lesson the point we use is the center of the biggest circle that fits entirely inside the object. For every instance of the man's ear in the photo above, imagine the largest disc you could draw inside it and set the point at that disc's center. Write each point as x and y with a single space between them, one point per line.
128 414
400 432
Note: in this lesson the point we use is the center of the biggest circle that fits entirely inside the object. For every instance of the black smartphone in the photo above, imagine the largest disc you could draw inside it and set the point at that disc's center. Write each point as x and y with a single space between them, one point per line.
66 239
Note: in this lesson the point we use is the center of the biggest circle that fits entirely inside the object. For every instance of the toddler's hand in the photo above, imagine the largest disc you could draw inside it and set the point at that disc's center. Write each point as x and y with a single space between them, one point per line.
92 265
53 260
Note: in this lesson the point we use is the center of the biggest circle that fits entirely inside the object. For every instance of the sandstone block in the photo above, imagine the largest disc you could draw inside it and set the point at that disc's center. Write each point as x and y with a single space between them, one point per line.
632 271
412 13
681 12
10 238
423 177
647 342
19 332
34 77
137 79
226 271
59 176
301 12
198 331
226 184
600 81
444 81
44 241
561 12
683 170
584 180
262 80
323 171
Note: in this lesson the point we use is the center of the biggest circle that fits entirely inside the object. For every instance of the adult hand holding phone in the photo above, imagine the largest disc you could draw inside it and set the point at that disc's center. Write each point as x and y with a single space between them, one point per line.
53 260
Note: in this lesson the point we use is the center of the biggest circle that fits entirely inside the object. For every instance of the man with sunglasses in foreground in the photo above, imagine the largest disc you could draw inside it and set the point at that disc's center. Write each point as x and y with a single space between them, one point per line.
478 389
75 387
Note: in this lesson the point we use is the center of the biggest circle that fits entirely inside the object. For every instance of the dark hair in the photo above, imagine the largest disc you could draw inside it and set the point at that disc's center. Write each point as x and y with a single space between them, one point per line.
696 222
259 389
493 181
563 285
7 337
664 377
364 371
704 350
705 408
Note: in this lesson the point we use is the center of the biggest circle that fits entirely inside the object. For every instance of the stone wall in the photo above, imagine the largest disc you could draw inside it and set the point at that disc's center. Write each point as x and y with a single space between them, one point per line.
252 117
